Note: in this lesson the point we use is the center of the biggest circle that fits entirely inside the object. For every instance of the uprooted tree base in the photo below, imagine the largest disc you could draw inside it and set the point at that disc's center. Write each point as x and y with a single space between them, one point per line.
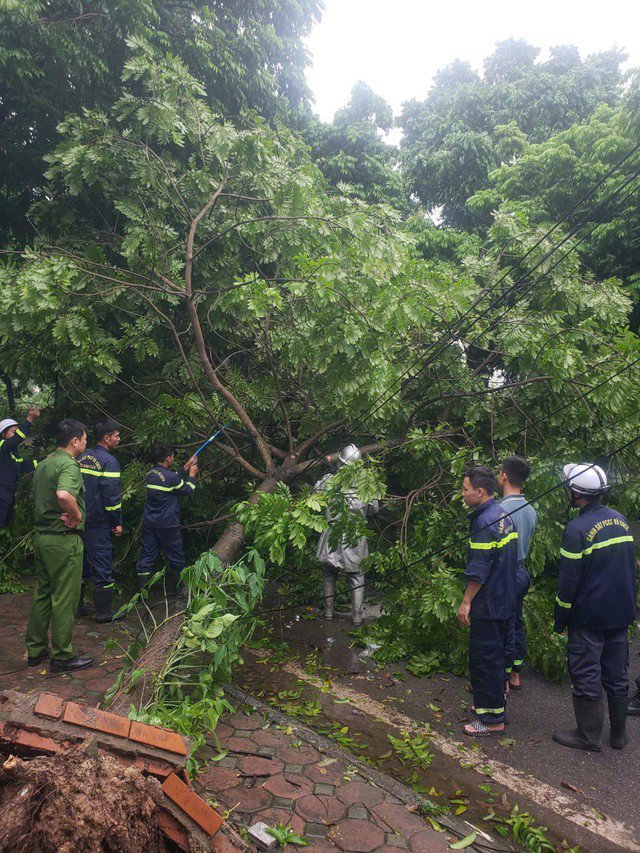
64 803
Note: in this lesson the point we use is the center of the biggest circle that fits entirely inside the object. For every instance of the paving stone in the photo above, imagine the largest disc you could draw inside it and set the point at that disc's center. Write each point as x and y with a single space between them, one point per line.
320 809
240 745
243 733
266 750
274 816
304 754
294 768
248 800
289 785
316 830
428 841
269 737
357 836
360 792
215 778
228 761
330 775
223 731
324 788
245 722
254 764
358 812
397 818
396 841
282 803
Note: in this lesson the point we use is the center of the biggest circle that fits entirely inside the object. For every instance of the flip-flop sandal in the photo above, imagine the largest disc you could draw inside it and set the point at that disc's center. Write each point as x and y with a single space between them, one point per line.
506 720
480 730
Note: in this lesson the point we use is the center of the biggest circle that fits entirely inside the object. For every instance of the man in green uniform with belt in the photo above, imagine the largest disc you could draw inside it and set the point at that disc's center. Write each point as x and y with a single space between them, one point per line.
59 518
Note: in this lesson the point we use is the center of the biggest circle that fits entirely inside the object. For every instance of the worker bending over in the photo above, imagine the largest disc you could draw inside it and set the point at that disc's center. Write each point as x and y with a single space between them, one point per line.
12 464
103 495
344 558
489 599
161 517
596 603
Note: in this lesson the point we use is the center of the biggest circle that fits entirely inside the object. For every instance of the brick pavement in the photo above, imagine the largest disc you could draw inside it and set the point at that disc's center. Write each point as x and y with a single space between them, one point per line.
87 686
271 774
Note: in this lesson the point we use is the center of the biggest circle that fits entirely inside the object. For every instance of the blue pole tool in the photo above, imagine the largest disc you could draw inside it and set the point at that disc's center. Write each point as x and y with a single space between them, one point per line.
209 440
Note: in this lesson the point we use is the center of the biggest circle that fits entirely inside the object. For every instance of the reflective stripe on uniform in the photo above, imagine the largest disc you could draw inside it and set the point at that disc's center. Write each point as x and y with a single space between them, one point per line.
563 603
518 662
20 433
487 546
113 508
99 473
191 485
490 710
17 458
166 488
616 540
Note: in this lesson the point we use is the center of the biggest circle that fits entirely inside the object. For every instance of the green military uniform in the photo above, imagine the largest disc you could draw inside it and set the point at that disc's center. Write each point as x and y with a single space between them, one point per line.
58 553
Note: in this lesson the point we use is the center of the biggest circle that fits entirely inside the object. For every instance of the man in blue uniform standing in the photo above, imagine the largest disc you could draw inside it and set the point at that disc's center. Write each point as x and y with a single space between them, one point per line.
513 474
12 463
103 497
596 603
489 600
161 518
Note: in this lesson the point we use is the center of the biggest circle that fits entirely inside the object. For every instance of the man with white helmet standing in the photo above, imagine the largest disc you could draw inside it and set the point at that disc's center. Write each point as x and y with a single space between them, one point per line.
344 558
596 603
12 464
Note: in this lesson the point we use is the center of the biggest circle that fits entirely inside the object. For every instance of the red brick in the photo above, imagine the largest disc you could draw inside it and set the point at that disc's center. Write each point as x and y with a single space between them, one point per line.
359 792
319 808
192 804
23 737
357 836
304 754
153 767
49 705
97 720
173 830
160 738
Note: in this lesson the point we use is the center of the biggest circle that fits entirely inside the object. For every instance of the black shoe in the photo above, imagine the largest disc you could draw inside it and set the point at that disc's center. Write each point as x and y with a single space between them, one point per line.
104 613
633 709
71 664
46 654
590 720
618 719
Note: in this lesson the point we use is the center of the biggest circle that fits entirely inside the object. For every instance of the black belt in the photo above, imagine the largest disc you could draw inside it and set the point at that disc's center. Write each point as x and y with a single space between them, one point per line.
59 532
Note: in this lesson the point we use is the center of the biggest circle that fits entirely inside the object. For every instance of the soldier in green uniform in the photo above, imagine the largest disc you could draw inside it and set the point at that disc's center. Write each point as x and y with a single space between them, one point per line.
59 518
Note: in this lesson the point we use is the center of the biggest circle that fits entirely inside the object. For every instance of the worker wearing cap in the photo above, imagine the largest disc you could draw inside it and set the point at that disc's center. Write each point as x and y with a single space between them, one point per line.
161 518
344 558
596 604
12 464
103 496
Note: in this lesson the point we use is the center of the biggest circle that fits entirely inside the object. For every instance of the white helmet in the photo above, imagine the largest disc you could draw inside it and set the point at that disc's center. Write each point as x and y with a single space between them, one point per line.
6 423
350 453
584 479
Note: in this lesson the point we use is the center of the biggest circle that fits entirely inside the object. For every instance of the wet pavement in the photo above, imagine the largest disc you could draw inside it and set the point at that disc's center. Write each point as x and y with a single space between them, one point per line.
568 790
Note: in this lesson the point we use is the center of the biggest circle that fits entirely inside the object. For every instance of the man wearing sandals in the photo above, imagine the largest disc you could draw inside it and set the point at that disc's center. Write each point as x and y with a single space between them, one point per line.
489 600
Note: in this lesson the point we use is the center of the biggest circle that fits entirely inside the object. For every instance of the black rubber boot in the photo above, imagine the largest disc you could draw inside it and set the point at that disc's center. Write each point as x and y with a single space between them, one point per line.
141 580
172 581
81 609
634 703
102 598
590 720
618 719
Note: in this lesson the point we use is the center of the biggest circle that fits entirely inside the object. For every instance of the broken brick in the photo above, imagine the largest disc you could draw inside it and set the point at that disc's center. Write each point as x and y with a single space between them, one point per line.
49 705
97 720
24 737
160 738
192 804
172 829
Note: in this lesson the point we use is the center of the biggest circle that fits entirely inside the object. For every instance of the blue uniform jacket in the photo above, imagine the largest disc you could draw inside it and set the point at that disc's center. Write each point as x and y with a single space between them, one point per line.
163 487
12 464
597 585
103 491
492 554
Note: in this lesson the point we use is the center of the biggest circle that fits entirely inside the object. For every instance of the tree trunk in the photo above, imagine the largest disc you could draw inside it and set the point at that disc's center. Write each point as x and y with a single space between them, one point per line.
154 654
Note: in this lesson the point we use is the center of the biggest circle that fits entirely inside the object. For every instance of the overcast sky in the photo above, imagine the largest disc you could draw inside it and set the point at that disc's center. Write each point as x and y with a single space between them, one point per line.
396 46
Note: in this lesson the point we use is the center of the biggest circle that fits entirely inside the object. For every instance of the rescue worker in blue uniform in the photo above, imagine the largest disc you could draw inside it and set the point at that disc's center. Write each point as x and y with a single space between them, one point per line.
489 600
513 475
161 518
596 604
12 463
103 496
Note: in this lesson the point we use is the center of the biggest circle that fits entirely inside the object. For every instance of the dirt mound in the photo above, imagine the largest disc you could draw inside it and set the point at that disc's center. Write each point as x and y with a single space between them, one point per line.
68 803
